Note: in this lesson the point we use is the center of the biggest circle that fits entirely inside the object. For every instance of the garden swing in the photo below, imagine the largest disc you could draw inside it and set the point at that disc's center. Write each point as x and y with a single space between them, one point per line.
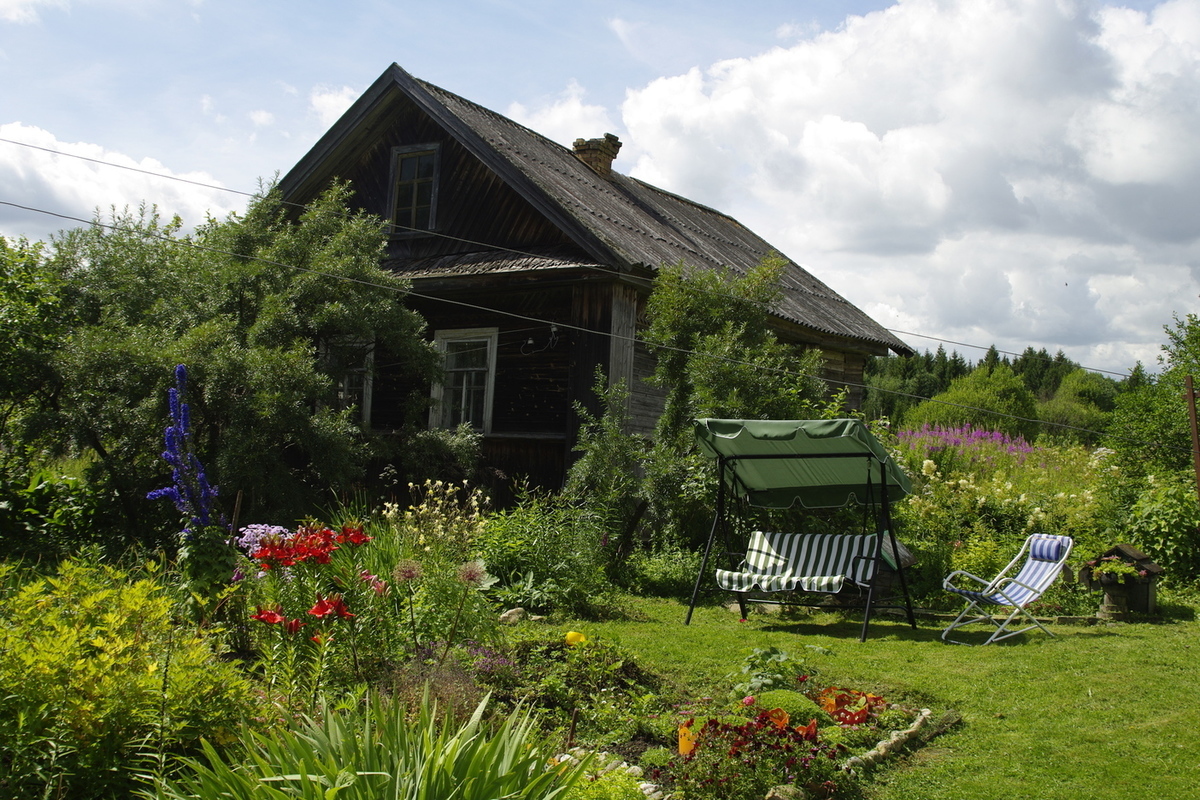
776 464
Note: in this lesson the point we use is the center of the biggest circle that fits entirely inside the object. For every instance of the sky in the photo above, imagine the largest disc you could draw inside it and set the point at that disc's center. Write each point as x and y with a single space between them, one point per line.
1017 173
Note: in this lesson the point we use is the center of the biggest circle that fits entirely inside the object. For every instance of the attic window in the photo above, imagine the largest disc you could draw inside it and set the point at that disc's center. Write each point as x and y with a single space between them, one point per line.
414 188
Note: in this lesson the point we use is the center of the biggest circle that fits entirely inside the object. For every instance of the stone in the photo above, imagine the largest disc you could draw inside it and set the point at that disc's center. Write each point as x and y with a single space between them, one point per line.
512 616
787 793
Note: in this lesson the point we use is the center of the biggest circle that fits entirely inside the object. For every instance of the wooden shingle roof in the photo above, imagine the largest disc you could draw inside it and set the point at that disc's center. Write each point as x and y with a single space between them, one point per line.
620 222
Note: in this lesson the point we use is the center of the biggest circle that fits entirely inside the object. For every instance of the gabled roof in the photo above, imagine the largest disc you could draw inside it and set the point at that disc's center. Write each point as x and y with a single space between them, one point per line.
618 221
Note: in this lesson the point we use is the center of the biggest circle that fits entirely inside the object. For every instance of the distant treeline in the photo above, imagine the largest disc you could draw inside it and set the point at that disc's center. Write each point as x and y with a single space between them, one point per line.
1059 389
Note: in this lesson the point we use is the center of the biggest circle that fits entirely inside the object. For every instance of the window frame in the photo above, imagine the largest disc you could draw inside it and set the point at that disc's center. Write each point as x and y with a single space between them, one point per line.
441 338
399 153
344 370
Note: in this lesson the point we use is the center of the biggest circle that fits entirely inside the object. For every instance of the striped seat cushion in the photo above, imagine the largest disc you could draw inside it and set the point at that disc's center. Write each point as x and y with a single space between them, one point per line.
784 562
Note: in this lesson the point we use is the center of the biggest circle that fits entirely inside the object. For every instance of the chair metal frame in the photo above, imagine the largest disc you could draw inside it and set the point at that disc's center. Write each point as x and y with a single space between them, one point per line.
1041 558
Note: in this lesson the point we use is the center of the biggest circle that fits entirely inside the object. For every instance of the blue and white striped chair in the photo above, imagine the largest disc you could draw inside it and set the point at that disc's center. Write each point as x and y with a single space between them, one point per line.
1042 555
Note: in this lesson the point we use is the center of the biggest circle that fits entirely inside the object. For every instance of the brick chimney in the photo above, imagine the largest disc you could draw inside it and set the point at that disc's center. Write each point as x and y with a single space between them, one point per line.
598 153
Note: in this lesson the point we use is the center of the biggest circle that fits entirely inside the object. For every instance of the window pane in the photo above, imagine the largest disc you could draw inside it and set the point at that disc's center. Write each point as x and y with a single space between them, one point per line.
413 197
463 398
467 354
425 165
404 197
408 168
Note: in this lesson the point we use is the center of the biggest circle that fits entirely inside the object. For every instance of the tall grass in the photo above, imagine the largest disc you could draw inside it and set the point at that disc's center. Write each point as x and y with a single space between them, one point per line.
373 750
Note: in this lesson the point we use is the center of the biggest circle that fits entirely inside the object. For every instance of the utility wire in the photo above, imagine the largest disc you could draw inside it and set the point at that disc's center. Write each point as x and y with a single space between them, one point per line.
448 237
542 322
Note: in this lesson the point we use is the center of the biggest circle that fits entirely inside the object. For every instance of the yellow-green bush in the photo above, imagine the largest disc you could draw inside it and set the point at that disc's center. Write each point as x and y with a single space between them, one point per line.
799 707
100 681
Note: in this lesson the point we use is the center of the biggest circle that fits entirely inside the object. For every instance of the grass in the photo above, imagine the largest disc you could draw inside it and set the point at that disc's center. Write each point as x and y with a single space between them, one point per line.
1093 712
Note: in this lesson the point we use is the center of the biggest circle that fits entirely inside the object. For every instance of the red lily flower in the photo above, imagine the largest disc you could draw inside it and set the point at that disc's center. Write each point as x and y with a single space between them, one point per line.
330 605
353 534
293 626
271 616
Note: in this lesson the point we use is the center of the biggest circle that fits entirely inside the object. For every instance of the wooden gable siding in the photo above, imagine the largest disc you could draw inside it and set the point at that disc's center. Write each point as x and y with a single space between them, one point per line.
475 210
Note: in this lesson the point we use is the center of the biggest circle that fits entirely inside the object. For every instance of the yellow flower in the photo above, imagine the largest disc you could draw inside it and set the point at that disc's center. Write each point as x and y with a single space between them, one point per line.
687 739
575 637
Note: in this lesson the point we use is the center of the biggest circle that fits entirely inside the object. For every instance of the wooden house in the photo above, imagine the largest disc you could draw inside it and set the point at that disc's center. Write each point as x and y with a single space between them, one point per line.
532 263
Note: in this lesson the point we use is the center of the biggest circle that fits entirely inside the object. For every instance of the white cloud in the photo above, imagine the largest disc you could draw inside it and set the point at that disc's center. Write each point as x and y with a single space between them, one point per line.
565 117
330 103
1023 172
75 188
262 118
25 11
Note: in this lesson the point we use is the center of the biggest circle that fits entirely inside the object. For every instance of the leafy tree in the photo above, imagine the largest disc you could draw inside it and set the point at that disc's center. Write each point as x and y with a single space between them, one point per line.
606 477
990 398
254 305
897 383
717 355
1150 429
1081 407
31 323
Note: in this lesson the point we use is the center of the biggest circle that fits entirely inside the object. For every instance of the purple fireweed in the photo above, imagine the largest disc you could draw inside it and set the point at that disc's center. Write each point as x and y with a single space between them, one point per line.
965 447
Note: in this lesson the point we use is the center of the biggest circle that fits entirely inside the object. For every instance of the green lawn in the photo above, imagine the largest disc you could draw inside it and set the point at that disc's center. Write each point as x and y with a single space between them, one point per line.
1105 711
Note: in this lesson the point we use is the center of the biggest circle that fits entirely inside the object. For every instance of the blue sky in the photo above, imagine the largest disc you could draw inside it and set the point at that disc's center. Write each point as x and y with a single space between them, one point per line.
1017 172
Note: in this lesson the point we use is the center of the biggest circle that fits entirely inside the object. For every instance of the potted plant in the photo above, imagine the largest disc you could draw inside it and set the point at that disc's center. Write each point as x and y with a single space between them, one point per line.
1109 571
1112 575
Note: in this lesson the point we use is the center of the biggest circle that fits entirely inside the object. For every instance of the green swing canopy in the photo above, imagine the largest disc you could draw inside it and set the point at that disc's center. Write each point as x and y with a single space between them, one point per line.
819 463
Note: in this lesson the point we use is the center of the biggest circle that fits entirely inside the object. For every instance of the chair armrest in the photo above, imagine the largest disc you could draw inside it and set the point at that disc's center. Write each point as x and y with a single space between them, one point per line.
948 582
1004 583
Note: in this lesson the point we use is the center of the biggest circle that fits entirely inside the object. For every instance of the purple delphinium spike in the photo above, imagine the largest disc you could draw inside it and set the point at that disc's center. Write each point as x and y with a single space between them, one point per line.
190 490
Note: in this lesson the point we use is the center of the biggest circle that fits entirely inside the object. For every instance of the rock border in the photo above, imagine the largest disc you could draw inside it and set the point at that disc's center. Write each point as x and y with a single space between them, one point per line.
856 765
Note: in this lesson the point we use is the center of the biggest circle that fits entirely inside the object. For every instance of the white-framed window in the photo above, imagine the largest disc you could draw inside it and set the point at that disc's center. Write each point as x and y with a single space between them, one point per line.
351 362
465 393
413 202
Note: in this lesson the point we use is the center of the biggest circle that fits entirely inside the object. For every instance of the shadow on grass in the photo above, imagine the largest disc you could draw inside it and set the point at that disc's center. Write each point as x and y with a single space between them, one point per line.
846 626
849 628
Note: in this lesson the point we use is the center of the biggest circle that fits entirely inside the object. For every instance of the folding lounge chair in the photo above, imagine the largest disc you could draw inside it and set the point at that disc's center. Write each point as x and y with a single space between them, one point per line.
1043 556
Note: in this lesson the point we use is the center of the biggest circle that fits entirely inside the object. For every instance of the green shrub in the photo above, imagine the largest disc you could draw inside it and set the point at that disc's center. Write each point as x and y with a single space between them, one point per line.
768 669
799 707
46 514
99 680
373 750
548 555
991 397
615 784
1166 523
656 758
609 695
666 572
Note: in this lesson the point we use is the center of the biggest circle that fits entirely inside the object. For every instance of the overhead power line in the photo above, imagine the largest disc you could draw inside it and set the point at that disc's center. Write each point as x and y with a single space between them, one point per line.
448 237
544 322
